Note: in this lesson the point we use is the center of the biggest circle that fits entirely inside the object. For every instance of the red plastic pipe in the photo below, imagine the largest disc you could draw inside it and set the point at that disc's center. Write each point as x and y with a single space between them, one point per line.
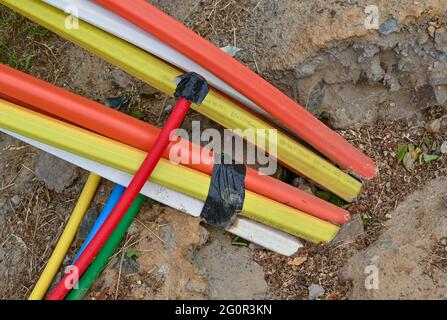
248 83
47 98
174 121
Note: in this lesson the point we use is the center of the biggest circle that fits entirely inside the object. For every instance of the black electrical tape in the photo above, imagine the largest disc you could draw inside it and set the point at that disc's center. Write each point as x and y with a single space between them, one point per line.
226 194
192 87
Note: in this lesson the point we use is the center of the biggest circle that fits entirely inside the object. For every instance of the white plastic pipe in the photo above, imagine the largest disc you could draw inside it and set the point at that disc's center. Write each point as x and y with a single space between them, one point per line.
250 230
123 29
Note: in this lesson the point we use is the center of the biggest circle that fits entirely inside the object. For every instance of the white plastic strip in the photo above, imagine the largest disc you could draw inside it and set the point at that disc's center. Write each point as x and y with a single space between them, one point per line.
255 232
123 29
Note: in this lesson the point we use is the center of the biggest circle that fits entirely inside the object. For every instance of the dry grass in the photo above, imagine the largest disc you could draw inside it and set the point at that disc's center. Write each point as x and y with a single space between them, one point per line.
219 20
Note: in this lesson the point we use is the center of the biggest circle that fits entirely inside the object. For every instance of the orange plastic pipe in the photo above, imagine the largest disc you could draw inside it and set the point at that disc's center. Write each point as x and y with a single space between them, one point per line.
248 83
126 129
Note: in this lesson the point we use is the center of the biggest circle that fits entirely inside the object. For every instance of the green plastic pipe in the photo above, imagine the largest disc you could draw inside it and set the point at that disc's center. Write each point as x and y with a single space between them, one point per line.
103 257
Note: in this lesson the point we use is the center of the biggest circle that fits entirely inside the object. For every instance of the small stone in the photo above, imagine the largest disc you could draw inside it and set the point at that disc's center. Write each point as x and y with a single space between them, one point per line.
304 71
434 126
117 103
297 261
345 273
438 75
16 200
440 94
168 236
316 97
252 246
388 216
391 82
231 50
315 291
350 230
133 229
57 174
164 269
167 109
444 147
374 71
389 26
3 210
120 79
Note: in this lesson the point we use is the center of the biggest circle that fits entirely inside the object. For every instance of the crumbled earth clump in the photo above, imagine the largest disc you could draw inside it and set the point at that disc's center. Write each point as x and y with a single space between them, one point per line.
221 263
55 173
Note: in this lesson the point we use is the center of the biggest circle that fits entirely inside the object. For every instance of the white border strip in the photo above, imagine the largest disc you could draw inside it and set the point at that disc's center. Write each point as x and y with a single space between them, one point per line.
255 232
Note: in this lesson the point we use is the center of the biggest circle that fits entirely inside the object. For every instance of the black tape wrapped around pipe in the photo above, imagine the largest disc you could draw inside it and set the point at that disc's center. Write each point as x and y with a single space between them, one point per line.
192 87
226 194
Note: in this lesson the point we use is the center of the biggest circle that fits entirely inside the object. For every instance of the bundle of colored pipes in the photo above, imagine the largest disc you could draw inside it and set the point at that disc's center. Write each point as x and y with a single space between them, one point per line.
153 47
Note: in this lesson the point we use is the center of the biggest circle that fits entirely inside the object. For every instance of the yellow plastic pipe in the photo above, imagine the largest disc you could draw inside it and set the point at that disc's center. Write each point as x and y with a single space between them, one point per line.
216 106
176 177
58 255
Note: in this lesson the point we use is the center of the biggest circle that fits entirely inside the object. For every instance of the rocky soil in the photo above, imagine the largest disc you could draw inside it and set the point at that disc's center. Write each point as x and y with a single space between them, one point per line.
379 88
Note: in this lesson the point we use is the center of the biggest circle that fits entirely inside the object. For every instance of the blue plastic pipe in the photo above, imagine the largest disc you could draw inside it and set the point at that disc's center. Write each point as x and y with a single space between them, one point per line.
110 204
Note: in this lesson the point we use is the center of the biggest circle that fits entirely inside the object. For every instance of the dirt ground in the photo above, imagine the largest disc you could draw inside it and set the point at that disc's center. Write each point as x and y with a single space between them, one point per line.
381 89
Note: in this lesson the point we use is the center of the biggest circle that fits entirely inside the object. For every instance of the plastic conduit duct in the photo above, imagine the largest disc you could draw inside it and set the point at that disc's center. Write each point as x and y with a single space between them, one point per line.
108 21
123 128
216 106
58 255
143 173
179 178
253 231
94 270
110 204
248 83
